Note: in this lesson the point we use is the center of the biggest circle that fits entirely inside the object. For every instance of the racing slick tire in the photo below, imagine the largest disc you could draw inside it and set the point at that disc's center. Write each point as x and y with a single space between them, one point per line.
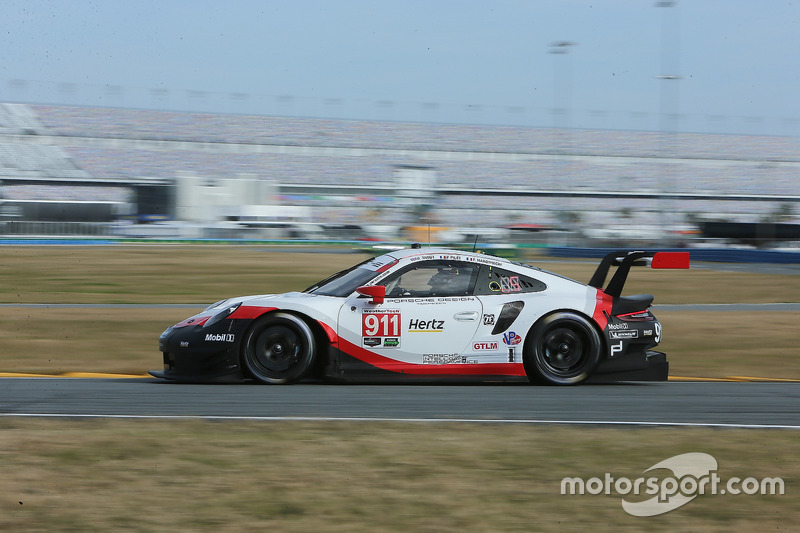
278 348
563 349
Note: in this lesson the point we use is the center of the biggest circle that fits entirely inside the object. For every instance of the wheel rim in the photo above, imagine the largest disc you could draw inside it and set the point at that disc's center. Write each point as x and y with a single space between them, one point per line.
279 349
563 350
276 350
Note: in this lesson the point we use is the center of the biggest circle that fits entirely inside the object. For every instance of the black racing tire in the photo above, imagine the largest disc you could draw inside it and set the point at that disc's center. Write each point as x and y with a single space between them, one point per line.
278 348
562 349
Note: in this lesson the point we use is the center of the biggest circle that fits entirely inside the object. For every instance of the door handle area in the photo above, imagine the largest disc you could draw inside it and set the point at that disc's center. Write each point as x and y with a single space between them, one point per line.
467 316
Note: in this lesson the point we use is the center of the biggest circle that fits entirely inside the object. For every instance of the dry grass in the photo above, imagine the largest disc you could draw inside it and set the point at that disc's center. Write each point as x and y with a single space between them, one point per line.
125 341
156 274
203 274
104 475
728 344
108 475
57 340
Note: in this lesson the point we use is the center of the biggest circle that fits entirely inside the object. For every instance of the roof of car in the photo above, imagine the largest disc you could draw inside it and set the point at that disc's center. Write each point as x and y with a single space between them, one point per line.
445 253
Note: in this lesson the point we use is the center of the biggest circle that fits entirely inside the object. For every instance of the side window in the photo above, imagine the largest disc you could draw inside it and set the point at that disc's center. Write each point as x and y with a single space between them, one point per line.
432 278
494 280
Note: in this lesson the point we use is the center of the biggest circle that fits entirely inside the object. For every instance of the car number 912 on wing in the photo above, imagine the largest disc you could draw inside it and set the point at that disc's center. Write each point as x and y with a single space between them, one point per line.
431 314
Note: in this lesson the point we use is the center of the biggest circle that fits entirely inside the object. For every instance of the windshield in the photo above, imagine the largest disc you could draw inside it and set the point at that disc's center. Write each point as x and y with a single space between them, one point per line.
344 283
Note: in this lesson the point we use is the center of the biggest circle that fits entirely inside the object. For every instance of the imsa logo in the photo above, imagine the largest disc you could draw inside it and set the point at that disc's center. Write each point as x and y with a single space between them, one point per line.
220 337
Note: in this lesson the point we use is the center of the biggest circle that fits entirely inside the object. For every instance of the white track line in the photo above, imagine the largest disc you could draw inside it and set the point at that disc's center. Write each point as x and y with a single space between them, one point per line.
412 420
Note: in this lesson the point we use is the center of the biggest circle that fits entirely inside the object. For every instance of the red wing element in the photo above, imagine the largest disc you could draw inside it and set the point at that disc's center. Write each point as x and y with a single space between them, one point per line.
376 292
670 260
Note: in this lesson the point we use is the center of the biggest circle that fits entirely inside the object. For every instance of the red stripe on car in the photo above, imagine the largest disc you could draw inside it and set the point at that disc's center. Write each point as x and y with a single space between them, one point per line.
250 311
400 367
602 308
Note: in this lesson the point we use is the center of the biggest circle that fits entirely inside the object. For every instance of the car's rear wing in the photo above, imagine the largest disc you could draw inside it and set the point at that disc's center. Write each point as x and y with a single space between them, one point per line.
624 260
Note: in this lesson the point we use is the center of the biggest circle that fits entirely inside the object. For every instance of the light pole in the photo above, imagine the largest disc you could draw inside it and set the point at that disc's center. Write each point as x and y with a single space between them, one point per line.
669 105
562 88
562 82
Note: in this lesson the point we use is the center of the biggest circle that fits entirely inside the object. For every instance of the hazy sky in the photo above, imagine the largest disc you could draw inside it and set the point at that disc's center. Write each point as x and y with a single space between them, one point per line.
446 61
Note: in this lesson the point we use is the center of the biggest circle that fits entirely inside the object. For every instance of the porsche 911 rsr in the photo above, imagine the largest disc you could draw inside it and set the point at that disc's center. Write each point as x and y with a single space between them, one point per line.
430 313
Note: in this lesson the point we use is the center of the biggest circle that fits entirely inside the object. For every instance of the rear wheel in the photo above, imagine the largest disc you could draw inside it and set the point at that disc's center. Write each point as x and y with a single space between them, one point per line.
563 349
278 348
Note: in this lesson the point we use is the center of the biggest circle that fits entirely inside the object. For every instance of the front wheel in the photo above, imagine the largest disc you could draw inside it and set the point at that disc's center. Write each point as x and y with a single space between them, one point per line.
278 348
563 349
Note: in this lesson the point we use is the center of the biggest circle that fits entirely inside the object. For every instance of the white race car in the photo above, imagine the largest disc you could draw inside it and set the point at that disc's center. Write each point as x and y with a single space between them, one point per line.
430 313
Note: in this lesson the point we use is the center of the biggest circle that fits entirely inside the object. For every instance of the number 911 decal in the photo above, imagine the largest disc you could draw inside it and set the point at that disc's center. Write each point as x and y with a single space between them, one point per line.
380 329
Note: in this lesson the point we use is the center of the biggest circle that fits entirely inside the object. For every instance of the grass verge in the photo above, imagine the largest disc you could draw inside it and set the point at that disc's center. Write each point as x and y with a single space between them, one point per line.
103 475
204 274
125 341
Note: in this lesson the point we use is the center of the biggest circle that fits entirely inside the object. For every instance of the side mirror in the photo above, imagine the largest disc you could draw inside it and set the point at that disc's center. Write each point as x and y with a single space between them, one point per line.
376 292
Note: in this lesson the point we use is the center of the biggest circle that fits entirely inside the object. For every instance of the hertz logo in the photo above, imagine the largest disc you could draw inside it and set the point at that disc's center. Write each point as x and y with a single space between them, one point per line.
429 326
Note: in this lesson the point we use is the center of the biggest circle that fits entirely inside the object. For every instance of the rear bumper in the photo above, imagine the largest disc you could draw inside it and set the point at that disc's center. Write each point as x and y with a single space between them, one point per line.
650 366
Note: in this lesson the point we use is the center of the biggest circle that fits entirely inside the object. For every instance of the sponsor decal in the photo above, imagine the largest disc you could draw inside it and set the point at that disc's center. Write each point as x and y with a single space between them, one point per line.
430 301
391 342
485 346
425 326
625 334
380 324
420 301
648 333
446 359
184 344
616 348
381 264
220 337
511 338
371 342
618 326
488 320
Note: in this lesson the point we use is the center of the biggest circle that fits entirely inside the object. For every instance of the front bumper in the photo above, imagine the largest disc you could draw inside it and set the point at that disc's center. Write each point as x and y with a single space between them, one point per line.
202 355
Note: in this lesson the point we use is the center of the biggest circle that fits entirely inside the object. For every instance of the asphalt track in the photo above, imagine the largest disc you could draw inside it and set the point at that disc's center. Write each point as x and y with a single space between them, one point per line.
715 404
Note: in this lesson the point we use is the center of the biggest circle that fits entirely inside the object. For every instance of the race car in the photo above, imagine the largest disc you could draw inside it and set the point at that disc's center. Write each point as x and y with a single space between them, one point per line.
430 313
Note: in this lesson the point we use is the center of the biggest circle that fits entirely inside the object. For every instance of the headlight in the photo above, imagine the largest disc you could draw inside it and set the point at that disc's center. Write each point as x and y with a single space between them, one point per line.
225 313
216 304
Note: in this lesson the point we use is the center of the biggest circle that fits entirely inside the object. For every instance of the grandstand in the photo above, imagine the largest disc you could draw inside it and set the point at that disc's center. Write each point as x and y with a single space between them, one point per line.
347 172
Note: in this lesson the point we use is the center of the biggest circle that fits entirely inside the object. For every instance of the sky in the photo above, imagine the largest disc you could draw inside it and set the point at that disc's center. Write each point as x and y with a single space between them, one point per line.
731 66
